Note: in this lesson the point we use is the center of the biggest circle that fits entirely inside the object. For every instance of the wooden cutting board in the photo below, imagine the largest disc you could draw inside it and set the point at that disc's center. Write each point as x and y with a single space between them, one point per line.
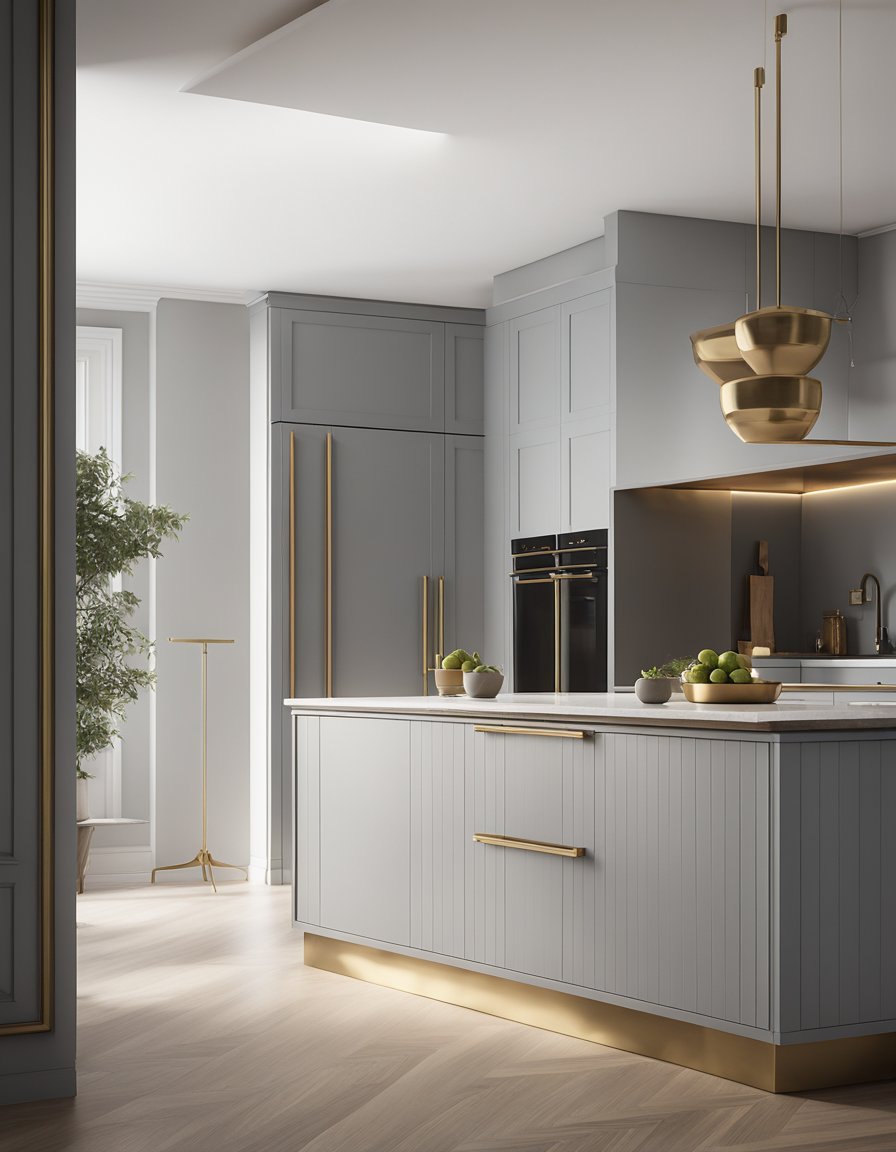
761 599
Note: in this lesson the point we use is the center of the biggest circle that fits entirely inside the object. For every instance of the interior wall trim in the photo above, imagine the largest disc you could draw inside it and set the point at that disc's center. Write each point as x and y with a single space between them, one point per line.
43 1022
145 297
771 1067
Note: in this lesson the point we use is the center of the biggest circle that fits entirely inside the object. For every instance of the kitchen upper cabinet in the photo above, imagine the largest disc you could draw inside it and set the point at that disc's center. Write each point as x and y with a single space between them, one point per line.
535 370
369 371
561 416
464 384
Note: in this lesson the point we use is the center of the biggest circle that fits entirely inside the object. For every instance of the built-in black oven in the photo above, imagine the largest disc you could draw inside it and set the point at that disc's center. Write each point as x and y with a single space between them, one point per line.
560 612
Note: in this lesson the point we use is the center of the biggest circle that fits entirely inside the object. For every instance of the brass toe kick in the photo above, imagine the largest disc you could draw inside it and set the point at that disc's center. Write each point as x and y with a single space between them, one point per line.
771 1067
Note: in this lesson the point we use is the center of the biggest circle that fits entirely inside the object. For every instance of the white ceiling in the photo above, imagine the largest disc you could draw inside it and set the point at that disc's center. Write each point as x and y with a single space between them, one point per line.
411 149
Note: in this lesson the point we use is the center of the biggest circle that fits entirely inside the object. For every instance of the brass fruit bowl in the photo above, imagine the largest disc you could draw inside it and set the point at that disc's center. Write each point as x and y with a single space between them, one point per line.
762 408
759 692
716 353
783 341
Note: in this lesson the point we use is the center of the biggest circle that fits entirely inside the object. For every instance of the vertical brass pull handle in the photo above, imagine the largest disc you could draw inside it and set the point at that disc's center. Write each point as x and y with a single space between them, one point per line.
441 649
556 584
328 564
292 565
425 635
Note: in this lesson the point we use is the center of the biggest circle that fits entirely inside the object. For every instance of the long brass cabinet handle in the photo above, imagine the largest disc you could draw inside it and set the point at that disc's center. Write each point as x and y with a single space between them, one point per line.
527 845
503 730
425 635
441 648
328 568
292 565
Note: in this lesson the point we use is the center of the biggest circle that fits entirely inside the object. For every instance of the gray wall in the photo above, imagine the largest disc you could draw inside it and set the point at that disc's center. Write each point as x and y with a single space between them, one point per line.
672 565
845 534
202 467
777 519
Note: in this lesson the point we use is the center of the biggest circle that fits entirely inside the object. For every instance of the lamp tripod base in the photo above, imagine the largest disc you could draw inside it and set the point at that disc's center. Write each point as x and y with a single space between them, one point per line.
204 860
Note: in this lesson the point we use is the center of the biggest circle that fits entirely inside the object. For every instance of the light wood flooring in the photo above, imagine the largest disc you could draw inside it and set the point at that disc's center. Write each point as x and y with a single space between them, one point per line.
201 1030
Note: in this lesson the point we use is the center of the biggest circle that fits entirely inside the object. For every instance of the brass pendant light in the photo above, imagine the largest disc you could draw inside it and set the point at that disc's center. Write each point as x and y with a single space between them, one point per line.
761 360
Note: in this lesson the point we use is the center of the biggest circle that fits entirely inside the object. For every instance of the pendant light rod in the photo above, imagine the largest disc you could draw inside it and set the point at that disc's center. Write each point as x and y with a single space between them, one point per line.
758 82
780 33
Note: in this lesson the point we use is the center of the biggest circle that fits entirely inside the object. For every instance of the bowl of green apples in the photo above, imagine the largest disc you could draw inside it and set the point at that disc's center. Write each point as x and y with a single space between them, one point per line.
725 678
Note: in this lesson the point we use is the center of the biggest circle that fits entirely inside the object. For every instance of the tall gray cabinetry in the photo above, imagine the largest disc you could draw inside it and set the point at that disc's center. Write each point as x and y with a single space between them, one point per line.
373 461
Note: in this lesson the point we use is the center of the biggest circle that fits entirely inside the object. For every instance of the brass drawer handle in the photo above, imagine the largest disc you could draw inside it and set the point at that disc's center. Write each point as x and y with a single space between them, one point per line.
562 733
527 845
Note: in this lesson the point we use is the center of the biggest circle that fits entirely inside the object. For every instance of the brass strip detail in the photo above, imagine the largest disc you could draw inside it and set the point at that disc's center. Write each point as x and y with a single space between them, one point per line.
572 576
758 82
424 631
520 572
328 584
441 620
508 730
527 845
556 584
554 551
773 1068
292 565
780 33
540 580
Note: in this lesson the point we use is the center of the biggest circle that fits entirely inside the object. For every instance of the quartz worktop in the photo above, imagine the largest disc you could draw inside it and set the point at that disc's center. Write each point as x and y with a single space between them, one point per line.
613 708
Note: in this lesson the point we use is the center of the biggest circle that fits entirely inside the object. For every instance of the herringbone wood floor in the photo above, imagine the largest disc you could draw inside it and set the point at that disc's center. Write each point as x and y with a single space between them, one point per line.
201 1030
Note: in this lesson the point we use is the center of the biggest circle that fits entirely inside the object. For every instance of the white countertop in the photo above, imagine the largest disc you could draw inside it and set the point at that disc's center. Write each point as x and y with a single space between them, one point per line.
612 708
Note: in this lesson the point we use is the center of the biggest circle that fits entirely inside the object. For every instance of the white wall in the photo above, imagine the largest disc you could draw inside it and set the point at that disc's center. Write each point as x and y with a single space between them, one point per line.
185 440
202 585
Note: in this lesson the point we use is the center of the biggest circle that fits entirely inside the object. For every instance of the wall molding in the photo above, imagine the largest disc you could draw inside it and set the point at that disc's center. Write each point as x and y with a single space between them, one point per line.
119 865
145 297
878 231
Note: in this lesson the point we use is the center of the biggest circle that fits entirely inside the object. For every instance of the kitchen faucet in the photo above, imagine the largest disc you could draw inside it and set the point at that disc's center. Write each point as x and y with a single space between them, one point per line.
881 639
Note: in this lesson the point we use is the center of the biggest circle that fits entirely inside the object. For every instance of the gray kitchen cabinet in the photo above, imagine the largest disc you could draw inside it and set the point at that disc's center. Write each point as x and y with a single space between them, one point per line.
534 912
384 381
363 869
587 356
464 372
357 370
535 484
463 549
535 370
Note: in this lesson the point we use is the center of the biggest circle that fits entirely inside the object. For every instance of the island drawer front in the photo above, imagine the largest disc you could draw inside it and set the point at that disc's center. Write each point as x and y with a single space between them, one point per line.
534 911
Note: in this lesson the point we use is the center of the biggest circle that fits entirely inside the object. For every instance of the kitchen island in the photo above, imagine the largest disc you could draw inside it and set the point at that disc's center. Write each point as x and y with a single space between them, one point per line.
714 886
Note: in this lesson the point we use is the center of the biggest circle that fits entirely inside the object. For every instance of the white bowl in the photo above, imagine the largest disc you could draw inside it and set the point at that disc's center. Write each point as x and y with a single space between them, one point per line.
483 685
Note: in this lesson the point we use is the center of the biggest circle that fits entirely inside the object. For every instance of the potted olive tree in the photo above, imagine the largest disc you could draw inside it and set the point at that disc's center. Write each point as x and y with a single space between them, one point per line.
113 532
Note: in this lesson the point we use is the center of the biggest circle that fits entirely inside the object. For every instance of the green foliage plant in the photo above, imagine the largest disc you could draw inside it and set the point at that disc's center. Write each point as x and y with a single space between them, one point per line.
113 532
672 669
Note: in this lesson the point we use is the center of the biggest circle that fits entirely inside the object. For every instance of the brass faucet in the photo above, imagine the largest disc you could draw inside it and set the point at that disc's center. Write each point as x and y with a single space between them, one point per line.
881 639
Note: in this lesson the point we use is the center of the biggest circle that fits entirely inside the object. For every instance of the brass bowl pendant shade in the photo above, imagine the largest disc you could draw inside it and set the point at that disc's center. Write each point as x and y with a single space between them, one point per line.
764 409
716 353
783 341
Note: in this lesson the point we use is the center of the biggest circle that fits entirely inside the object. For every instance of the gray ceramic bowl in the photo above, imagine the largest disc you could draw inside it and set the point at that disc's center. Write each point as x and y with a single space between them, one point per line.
483 685
653 690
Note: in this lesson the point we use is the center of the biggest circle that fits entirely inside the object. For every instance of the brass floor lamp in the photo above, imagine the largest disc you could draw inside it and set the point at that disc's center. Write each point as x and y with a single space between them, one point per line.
203 858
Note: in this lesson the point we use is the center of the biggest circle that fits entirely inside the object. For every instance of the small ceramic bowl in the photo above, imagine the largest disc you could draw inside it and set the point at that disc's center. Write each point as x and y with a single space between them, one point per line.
483 685
653 690
449 681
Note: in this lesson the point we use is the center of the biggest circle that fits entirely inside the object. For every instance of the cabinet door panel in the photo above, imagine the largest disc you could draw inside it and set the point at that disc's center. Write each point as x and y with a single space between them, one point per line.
586 355
373 371
535 369
464 372
534 482
388 509
586 476
365 827
464 581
